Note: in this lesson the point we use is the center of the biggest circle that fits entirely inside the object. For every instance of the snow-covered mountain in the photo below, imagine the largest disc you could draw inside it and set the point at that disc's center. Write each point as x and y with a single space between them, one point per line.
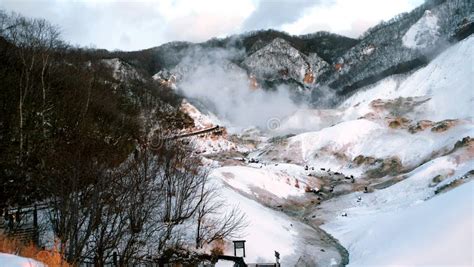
396 44
340 151
322 149
279 60
388 173
312 61
424 33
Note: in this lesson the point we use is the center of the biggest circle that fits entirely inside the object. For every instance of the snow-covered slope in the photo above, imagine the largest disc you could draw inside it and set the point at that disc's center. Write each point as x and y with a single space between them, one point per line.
364 137
446 81
207 143
420 185
201 121
398 43
255 180
384 158
437 232
407 224
269 231
424 33
416 120
441 90
10 260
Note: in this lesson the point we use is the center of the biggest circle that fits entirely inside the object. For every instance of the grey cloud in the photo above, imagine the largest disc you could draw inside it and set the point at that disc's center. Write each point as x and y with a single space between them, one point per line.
274 13
124 25
125 40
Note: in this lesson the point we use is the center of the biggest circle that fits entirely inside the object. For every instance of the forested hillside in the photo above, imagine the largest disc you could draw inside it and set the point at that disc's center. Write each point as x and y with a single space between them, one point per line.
90 139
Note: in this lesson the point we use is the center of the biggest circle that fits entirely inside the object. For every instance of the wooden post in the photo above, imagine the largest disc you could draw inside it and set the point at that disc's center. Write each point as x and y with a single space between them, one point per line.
35 226
277 258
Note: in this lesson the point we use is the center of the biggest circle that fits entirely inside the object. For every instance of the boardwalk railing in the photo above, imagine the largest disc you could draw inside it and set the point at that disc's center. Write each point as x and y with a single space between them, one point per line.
208 130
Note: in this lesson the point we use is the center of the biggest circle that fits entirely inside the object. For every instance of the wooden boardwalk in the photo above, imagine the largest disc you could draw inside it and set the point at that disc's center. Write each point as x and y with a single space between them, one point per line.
215 129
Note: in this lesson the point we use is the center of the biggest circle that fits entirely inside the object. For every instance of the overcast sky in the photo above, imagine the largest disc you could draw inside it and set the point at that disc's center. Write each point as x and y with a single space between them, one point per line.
133 25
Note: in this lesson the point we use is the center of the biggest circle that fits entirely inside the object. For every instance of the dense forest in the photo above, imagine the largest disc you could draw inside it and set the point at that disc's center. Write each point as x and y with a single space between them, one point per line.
96 148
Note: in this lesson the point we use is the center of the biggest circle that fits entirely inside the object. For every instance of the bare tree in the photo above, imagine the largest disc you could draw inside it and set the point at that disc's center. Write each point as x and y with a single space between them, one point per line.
74 129
213 223
35 41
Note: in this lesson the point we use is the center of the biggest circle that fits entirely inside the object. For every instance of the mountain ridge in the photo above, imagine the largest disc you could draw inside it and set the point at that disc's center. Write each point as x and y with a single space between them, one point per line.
347 56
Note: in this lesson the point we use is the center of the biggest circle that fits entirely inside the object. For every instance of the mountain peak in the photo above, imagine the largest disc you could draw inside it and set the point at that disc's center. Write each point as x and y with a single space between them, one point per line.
277 60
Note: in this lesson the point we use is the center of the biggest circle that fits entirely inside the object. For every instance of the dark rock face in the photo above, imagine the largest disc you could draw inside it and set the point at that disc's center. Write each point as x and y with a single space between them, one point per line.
390 166
443 125
379 167
420 126
280 60
361 159
465 142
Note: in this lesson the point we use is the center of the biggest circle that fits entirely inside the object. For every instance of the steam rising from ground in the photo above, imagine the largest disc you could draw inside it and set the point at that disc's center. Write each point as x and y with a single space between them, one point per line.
212 78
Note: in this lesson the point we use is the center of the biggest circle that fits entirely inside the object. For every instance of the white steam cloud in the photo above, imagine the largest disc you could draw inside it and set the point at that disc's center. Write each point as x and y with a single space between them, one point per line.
210 77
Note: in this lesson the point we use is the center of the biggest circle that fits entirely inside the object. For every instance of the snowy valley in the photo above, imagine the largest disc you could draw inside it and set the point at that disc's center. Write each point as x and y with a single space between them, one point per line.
316 149
388 179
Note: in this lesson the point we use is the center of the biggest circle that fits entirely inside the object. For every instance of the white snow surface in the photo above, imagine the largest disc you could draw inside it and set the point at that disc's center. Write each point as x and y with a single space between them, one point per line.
406 224
414 189
368 138
10 260
247 179
447 81
267 230
437 232
201 121
445 89
402 225
424 33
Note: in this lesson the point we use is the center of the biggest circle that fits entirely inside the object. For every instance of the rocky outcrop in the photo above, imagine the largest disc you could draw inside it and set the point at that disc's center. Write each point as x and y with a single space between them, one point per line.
420 126
390 166
280 60
397 107
318 66
442 126
378 168
399 123
361 159
121 70
276 60
165 78
465 142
